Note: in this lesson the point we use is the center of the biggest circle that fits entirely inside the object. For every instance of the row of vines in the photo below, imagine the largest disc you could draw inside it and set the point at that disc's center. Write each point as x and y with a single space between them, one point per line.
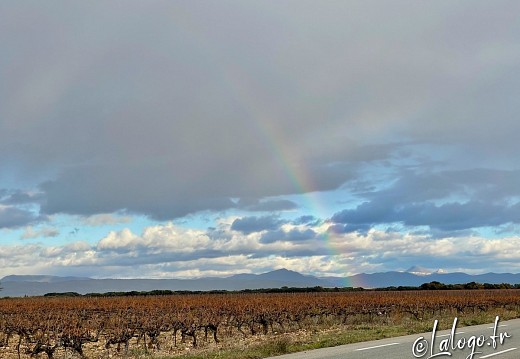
44 327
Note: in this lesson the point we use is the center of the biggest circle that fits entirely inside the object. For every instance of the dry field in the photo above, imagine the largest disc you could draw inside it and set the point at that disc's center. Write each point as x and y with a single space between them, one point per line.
169 326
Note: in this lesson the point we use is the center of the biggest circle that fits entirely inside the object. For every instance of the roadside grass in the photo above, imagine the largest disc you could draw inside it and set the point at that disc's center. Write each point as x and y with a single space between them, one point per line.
324 335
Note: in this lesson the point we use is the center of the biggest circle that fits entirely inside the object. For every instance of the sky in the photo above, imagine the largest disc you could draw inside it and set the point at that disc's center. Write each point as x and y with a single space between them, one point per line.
181 139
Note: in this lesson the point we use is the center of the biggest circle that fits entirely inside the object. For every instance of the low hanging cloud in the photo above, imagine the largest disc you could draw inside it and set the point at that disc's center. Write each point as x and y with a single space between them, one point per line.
444 201
13 217
249 225
166 251
447 217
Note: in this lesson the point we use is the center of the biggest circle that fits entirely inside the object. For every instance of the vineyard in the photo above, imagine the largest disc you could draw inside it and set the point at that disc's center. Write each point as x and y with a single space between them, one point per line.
111 327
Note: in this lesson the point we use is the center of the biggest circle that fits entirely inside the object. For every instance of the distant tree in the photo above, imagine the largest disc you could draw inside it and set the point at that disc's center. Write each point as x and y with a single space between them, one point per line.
433 286
473 285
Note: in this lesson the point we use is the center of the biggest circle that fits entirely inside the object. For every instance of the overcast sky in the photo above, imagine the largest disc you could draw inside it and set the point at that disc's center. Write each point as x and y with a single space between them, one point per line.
180 139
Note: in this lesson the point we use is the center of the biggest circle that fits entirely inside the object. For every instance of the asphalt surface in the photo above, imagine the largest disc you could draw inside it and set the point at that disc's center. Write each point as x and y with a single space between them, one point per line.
475 342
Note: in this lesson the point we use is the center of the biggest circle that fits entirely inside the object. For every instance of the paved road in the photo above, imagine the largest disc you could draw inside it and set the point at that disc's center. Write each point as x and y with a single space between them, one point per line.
401 347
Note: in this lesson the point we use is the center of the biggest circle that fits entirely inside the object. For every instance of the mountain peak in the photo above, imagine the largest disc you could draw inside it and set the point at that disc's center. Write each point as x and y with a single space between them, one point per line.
284 271
285 275
418 270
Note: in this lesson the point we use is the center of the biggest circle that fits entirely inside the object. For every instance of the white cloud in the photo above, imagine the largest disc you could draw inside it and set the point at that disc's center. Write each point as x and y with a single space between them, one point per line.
30 232
105 219
170 251
163 237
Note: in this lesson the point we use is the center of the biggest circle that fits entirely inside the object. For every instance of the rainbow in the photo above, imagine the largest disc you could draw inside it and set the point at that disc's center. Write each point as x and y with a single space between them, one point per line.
243 90
238 82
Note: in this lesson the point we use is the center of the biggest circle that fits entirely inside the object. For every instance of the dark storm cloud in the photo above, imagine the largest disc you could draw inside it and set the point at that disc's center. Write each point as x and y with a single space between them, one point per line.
470 199
12 217
448 217
140 189
249 225
424 184
170 108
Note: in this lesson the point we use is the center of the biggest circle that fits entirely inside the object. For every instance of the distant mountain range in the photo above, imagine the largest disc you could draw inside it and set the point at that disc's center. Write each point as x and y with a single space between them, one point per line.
34 285
416 276
40 278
